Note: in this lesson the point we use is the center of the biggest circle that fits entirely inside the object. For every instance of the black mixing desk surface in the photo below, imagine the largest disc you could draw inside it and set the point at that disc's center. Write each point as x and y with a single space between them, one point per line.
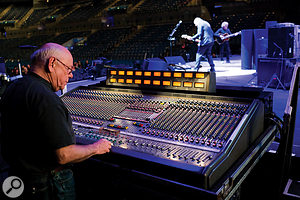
196 137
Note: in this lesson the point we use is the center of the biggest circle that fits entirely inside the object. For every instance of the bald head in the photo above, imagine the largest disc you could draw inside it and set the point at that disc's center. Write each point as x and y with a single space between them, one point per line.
53 63
41 56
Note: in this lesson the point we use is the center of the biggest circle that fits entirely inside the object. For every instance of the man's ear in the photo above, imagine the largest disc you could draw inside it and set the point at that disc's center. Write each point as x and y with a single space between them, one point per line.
50 65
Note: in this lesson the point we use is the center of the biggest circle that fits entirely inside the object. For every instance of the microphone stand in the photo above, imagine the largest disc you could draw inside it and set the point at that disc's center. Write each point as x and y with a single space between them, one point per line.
171 38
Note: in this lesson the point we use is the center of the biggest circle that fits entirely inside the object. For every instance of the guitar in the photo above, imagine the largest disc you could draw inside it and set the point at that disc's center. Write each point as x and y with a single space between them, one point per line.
225 37
190 38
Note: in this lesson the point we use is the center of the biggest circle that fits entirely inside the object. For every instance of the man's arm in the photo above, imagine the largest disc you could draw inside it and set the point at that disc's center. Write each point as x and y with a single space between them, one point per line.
217 33
77 153
199 31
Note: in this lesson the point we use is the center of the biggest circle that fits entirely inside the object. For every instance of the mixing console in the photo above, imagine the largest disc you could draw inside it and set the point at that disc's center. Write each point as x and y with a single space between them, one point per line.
192 132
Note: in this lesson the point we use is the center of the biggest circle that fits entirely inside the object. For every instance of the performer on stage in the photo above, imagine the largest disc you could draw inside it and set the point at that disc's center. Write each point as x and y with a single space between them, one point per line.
206 41
221 32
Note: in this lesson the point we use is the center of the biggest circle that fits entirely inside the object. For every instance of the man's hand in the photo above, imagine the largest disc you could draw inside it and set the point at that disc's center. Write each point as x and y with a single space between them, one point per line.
102 146
77 153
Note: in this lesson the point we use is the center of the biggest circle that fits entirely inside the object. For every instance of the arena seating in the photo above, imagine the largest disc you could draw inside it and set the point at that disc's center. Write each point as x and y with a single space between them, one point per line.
122 44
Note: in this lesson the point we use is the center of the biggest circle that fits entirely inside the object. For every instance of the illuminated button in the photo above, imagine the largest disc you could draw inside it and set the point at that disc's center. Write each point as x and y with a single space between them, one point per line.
120 80
147 73
129 73
138 73
186 139
113 80
199 75
138 81
166 83
156 82
156 73
220 144
199 85
177 75
176 83
167 74
188 75
191 139
129 81
121 73
187 84
113 72
147 82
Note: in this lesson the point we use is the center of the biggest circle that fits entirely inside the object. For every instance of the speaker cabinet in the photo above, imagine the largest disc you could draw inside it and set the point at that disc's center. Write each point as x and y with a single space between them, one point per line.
174 60
260 45
281 42
282 68
247 48
154 64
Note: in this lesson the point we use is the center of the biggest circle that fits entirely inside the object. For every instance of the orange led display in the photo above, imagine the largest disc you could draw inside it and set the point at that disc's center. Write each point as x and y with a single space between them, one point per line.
138 81
176 83
167 74
187 84
188 75
121 73
129 73
120 80
147 82
113 72
167 83
138 73
147 73
199 85
177 74
156 82
129 81
113 80
157 73
199 75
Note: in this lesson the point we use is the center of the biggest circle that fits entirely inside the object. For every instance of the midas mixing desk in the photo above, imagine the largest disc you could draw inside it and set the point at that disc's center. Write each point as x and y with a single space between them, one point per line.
169 125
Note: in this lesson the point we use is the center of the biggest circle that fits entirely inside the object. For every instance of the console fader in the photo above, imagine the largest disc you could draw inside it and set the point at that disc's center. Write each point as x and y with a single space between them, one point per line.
199 134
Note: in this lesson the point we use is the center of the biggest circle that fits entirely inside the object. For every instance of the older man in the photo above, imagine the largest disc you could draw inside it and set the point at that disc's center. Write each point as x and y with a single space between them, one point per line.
37 138
205 38
221 32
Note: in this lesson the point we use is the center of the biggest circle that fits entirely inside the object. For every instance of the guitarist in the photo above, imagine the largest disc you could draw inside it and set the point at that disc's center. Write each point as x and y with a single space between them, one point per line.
220 33
205 40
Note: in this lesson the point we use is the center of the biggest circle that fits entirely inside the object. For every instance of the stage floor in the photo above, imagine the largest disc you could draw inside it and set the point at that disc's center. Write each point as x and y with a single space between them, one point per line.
231 74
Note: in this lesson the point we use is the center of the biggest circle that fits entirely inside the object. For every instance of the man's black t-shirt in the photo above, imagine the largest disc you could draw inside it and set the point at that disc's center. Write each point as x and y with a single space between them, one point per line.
35 122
